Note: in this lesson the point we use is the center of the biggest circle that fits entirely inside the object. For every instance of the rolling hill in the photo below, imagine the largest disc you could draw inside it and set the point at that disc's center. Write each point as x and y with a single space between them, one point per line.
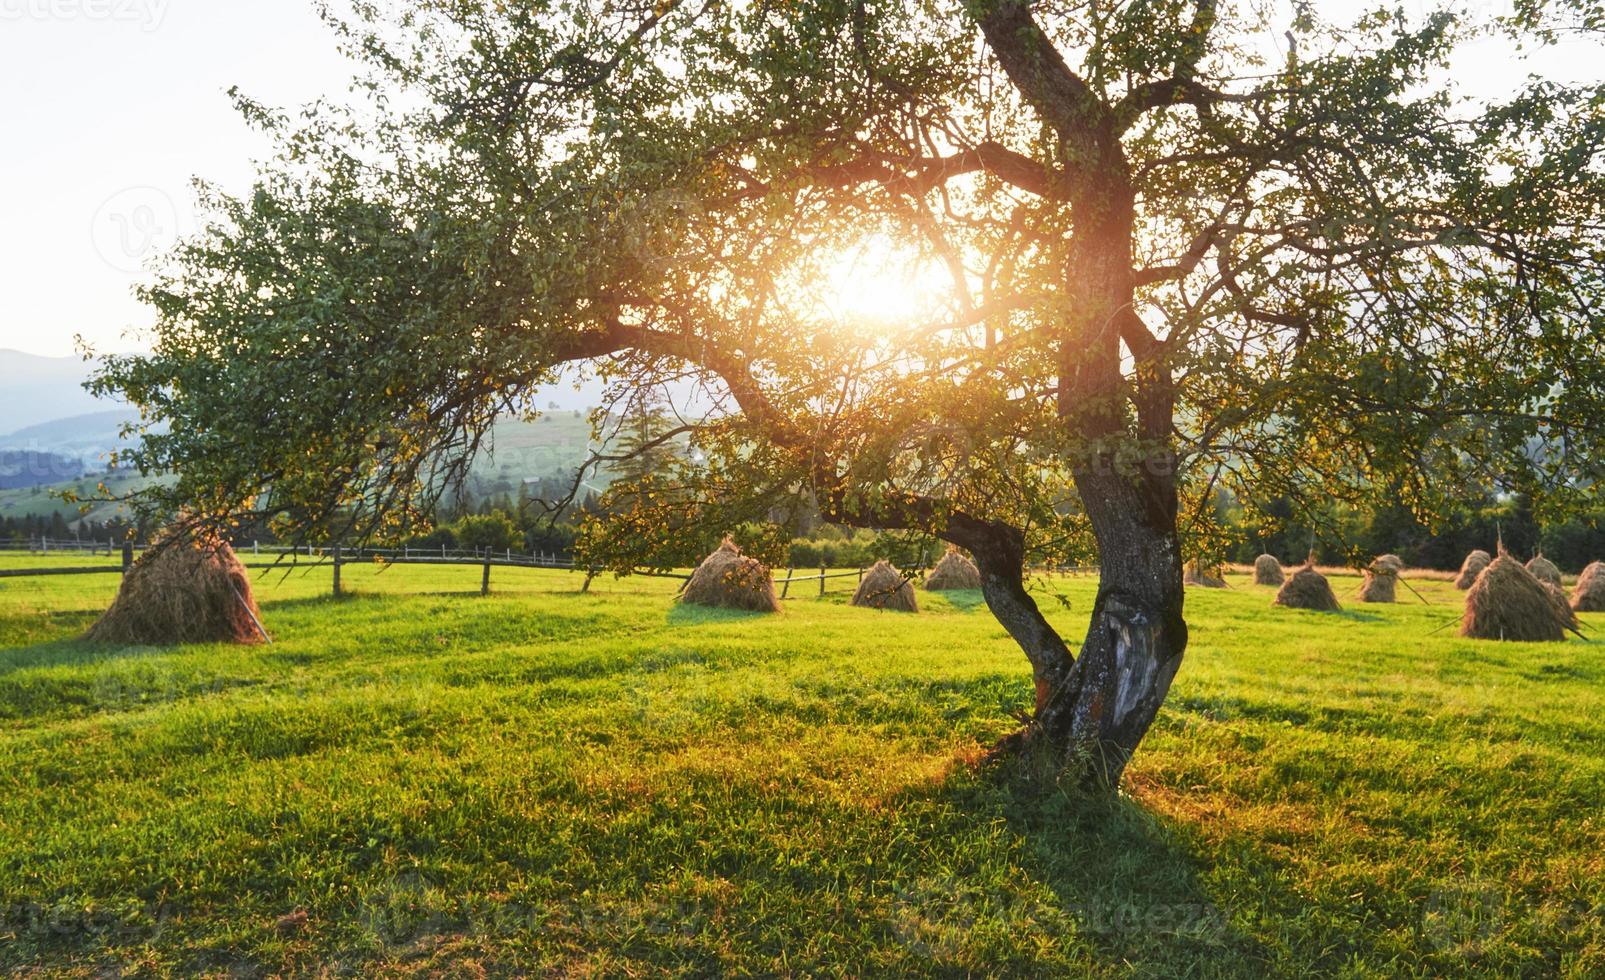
544 453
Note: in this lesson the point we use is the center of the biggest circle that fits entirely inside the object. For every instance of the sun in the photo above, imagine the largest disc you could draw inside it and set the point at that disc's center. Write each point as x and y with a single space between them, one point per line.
878 283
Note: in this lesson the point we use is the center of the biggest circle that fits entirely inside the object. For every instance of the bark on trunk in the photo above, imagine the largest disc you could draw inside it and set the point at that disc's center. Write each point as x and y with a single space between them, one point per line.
1093 709
1137 634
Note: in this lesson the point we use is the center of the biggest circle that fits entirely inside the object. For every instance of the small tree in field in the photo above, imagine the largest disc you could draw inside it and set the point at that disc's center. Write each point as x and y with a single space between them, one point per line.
1176 258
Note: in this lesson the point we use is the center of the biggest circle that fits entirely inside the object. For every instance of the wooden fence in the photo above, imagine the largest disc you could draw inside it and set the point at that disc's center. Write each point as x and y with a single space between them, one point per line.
338 557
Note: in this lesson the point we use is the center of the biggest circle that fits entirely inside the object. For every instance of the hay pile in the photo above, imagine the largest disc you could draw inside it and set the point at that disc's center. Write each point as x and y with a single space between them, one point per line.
1589 595
1381 580
954 571
1471 568
730 580
1507 602
884 587
183 590
1307 589
1208 578
1267 570
1563 609
1544 571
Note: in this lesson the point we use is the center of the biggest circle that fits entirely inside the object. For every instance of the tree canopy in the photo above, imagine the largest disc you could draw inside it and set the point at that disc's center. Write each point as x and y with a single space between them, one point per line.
1175 257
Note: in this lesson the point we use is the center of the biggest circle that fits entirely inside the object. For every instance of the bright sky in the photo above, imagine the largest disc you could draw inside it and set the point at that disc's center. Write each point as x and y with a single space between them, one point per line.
111 106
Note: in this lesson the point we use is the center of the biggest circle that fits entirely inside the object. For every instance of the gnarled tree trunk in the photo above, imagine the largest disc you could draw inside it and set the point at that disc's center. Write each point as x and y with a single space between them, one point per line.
1092 709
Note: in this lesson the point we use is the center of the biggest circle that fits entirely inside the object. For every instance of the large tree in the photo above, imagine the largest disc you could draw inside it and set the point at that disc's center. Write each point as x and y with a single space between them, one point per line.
1187 244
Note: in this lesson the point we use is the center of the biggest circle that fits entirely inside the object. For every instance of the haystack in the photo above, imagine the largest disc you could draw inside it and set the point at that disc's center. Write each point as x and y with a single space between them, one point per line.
1307 589
1589 595
884 587
1545 571
1563 609
730 580
1391 561
182 590
954 571
1507 602
1267 570
1381 580
1471 568
1208 578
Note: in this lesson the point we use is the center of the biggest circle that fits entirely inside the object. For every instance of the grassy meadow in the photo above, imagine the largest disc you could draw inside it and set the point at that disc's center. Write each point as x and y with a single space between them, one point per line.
418 780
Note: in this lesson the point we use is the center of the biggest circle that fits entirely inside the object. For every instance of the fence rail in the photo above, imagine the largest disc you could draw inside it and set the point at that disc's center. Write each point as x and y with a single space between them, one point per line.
337 557
44 545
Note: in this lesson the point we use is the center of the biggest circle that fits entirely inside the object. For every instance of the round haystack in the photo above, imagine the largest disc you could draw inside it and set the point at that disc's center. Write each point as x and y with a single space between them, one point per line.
1563 609
884 587
1307 589
1381 581
1508 603
1589 595
182 591
1471 568
1545 571
954 571
728 579
1268 571
1207 578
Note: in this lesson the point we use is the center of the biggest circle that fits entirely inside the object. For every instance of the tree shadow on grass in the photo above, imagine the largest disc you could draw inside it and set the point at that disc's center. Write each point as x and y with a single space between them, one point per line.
1358 617
964 600
1125 883
55 622
692 614
977 873
67 651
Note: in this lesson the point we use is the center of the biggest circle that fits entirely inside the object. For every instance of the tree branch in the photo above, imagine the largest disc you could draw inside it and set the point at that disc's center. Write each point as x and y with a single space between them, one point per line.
1061 97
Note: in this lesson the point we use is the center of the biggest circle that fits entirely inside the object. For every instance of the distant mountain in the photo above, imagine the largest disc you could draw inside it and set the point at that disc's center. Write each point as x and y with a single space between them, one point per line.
36 389
26 468
86 438
539 458
52 449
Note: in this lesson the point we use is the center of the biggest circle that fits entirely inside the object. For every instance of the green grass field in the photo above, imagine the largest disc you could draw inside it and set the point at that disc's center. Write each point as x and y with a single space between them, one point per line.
416 779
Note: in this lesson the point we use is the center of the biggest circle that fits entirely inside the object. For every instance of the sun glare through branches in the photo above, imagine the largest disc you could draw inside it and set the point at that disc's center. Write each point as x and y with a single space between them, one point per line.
877 284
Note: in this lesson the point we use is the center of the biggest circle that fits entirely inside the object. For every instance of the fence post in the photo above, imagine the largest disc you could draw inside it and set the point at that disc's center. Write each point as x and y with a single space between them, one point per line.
256 547
128 556
442 549
860 575
821 579
337 571
786 585
484 583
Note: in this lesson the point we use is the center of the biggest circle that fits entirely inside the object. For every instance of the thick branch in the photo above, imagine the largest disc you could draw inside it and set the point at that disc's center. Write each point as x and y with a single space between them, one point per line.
919 175
1061 97
617 336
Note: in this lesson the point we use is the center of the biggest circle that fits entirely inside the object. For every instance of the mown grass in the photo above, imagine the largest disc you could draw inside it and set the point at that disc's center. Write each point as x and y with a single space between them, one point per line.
416 779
